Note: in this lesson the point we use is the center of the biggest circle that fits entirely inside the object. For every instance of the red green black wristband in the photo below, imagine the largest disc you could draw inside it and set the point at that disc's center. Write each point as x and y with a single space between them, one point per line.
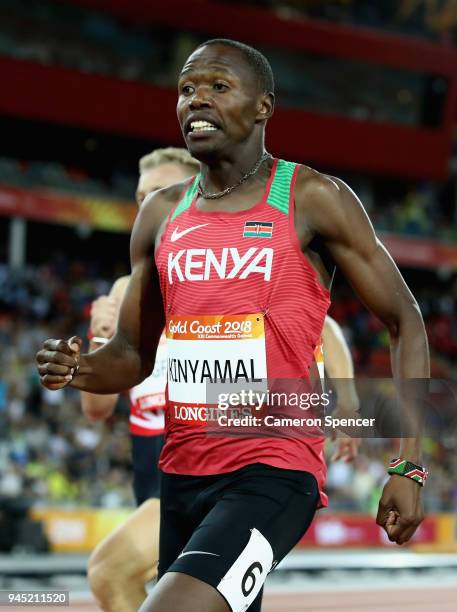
402 467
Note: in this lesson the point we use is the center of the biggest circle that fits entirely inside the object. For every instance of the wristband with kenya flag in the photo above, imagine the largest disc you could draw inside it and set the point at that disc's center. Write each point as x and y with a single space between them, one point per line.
402 467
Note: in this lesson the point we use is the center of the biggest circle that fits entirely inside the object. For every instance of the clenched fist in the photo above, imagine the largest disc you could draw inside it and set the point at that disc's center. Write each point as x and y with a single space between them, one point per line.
400 510
103 316
58 361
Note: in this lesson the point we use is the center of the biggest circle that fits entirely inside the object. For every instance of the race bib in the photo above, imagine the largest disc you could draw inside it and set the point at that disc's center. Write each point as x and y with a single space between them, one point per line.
212 353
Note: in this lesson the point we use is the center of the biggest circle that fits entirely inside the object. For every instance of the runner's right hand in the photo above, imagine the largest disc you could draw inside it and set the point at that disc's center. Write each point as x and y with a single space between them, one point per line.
57 362
103 316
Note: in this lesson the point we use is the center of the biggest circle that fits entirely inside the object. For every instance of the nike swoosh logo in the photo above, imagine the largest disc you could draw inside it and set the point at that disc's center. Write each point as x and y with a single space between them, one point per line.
176 235
197 552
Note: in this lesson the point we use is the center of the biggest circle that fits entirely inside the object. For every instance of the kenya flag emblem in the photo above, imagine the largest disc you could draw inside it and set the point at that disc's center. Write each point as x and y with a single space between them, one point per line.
258 229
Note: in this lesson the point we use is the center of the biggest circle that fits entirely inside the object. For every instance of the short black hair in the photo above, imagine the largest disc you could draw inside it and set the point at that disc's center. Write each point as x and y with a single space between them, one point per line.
256 60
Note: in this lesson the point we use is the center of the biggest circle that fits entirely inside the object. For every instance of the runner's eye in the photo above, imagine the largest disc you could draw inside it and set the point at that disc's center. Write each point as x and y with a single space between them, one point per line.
220 86
187 90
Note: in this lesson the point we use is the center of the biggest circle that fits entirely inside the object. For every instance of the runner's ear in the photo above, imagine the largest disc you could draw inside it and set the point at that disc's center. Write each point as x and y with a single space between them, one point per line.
265 107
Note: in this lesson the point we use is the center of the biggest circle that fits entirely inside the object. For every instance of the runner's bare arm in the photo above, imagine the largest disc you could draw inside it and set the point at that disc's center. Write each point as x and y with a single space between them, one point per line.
103 322
333 211
129 356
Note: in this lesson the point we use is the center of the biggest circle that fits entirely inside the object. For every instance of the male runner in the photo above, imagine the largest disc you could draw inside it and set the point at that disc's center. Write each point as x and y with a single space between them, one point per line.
234 256
117 580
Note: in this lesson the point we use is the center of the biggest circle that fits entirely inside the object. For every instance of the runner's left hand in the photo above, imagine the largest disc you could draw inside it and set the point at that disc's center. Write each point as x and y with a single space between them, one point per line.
400 509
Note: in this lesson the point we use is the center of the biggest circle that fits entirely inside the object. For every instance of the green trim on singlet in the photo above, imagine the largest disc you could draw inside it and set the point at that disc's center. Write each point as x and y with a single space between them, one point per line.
279 195
187 199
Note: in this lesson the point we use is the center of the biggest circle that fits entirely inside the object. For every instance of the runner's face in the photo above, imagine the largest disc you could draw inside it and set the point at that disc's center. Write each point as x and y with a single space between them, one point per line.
161 176
216 86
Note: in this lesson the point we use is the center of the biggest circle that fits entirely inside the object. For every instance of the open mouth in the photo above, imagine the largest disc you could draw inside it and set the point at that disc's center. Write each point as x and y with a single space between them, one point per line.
200 127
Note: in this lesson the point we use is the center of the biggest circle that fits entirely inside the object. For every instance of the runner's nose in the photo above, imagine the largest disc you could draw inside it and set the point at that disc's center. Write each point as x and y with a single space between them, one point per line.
200 99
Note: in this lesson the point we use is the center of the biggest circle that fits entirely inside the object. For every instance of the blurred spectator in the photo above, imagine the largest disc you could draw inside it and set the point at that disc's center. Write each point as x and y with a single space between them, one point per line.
411 216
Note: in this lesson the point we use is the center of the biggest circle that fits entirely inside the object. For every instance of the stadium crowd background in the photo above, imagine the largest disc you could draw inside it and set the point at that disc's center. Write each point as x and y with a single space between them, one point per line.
49 454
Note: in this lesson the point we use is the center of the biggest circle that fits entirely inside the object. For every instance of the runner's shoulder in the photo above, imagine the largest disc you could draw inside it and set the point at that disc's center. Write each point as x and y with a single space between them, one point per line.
159 203
151 216
315 186
326 200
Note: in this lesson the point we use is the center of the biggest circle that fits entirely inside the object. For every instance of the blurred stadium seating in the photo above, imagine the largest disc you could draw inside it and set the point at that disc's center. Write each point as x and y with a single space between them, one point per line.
98 43
434 20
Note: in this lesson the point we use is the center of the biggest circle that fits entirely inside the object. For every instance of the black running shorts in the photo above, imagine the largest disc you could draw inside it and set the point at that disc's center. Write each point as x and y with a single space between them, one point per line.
145 458
230 530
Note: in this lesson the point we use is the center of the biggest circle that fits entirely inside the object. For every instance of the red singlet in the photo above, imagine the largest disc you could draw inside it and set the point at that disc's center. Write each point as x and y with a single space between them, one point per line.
241 300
